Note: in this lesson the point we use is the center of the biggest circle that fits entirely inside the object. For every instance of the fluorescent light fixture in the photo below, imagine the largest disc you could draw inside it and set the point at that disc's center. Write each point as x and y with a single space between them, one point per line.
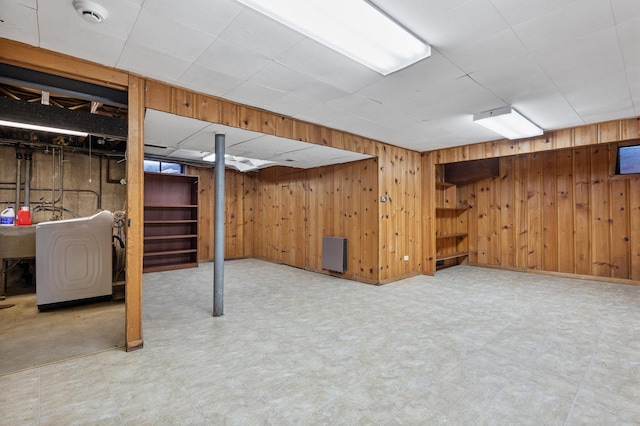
241 164
507 122
354 28
42 128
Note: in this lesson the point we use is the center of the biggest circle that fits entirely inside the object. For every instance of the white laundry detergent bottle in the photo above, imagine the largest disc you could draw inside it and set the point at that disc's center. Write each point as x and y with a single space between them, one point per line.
7 217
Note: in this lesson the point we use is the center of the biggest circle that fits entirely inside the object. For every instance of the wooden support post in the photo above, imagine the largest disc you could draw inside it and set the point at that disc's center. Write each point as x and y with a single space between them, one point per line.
135 214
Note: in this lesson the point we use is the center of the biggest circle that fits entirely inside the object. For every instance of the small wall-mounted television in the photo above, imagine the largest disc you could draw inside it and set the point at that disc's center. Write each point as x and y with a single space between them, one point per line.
628 162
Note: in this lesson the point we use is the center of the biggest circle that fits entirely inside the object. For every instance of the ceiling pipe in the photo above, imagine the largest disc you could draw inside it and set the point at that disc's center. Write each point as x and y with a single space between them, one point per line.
27 178
18 176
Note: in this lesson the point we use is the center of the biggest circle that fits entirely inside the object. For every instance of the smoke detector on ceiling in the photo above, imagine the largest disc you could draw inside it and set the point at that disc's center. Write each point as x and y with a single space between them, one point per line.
90 11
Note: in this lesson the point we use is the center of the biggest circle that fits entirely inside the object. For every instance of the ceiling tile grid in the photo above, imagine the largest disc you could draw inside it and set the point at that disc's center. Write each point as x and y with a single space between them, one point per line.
560 62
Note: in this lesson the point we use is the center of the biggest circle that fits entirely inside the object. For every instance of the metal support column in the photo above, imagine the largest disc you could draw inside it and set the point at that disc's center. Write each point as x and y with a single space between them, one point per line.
218 229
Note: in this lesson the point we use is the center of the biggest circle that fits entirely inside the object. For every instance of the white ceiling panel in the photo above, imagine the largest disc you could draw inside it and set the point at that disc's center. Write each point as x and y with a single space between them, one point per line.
432 71
509 81
189 139
471 21
517 12
629 36
230 59
210 17
563 62
20 22
156 33
253 94
573 21
257 33
419 15
625 10
164 129
280 77
311 58
204 139
206 80
573 61
489 52
548 109
152 63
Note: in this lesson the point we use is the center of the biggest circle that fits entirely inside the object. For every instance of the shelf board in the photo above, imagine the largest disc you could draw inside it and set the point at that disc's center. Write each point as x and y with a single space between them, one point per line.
171 206
169 252
444 185
170 237
452 255
169 222
456 235
169 267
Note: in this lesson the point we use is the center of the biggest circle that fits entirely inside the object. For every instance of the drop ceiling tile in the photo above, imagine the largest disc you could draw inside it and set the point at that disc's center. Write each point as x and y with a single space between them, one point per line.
625 10
432 71
603 95
548 109
488 52
59 19
280 77
291 105
154 32
519 11
19 22
33 4
102 43
571 22
188 154
350 76
574 61
151 63
204 139
510 80
629 34
210 17
634 83
205 80
321 113
232 60
355 104
157 151
471 21
311 58
164 129
259 34
254 94
418 15
462 94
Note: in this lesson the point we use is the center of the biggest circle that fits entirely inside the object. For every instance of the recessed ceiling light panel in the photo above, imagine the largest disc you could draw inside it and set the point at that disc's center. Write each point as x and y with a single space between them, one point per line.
507 122
90 11
354 28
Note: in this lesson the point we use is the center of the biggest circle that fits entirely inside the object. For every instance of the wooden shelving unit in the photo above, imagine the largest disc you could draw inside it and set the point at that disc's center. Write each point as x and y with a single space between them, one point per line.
451 227
170 222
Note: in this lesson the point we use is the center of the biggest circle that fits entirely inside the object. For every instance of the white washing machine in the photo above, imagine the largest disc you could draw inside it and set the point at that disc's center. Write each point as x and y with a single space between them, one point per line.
73 260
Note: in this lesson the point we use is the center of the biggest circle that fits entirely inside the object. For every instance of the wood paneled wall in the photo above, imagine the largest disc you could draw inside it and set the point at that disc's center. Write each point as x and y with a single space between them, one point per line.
234 238
559 211
400 217
292 210
611 131
394 234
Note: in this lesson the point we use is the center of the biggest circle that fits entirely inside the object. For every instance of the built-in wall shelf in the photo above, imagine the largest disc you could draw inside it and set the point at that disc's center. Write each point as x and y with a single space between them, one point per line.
453 255
451 226
170 222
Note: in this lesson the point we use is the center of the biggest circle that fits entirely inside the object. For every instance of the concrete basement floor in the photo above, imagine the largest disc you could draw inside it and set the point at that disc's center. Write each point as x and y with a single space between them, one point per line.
469 346
29 338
